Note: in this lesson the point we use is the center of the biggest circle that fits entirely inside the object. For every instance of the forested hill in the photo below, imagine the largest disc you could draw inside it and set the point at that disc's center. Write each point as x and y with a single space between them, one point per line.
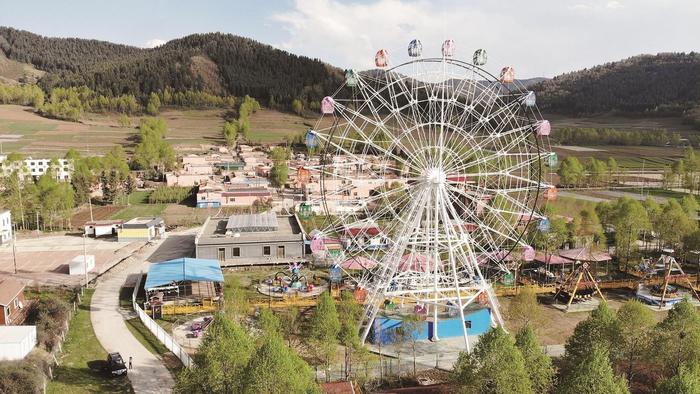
666 83
217 63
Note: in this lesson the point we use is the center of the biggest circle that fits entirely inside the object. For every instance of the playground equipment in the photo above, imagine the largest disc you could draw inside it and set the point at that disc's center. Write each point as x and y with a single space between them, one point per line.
579 285
466 160
292 283
664 294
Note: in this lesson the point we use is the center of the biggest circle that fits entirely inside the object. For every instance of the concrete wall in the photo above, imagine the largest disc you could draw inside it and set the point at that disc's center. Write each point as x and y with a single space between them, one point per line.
292 250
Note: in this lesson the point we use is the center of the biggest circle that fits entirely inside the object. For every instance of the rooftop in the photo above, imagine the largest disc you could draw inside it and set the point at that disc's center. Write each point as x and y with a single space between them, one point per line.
183 269
215 232
142 222
266 221
9 289
14 334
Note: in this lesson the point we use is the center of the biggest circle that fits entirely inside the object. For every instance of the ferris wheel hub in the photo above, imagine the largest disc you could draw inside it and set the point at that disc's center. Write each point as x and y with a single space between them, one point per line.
434 176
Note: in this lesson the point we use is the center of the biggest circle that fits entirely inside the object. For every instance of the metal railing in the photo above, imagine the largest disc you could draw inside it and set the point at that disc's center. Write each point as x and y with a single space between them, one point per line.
158 331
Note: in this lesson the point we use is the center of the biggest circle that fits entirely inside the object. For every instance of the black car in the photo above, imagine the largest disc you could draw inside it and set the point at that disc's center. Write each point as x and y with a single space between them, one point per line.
115 364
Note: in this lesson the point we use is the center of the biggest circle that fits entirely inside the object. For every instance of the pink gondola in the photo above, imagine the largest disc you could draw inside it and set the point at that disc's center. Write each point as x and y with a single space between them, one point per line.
381 59
528 253
327 105
507 75
544 128
448 48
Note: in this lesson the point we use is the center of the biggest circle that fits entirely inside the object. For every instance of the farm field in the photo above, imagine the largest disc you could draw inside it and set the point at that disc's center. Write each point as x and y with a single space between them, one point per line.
24 131
269 126
622 123
629 157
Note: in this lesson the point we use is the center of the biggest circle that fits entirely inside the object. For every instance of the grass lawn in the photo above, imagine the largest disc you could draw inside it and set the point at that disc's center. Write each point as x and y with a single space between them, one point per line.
81 351
664 193
139 206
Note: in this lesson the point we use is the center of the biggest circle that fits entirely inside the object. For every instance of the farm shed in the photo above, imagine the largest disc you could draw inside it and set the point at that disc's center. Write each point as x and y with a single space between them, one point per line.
16 342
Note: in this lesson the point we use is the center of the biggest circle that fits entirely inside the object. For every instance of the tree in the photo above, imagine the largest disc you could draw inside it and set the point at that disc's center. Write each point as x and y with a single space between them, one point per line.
524 310
276 369
348 335
230 132
153 153
636 325
269 323
220 361
686 381
597 171
570 171
550 240
484 370
297 107
123 121
674 224
280 169
593 374
153 104
629 218
325 327
599 329
539 365
677 338
613 169
690 206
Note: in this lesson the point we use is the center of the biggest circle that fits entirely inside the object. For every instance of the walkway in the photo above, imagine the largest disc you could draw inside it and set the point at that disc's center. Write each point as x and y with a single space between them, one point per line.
148 375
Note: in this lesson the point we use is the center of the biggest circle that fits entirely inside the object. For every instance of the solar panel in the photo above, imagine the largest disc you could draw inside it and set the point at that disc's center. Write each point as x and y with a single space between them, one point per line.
266 221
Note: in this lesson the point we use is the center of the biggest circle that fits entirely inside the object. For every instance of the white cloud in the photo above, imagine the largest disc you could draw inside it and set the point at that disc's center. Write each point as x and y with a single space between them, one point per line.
538 37
154 42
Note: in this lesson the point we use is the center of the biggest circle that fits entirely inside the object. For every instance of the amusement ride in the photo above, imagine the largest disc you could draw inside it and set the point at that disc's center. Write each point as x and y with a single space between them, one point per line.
430 171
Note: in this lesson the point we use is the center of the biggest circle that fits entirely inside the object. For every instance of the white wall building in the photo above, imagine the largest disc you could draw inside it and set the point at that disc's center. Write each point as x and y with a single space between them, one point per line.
38 167
16 342
5 227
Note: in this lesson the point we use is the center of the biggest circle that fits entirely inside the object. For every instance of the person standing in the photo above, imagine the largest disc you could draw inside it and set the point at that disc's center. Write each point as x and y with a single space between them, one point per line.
130 362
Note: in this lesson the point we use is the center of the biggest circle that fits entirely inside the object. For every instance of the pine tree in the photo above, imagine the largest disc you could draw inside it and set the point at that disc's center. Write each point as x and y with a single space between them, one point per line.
325 327
636 324
539 365
593 374
220 360
348 335
677 338
276 369
496 366
599 329
686 381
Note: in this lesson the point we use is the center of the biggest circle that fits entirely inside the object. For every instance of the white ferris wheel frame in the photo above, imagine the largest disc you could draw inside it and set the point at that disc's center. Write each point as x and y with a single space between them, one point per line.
464 153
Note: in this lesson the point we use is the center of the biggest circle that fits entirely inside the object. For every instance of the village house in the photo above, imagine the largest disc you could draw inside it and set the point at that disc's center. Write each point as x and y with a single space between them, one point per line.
251 239
13 303
5 227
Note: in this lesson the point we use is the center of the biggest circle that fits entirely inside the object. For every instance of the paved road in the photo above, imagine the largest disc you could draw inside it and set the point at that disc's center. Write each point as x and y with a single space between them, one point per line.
149 375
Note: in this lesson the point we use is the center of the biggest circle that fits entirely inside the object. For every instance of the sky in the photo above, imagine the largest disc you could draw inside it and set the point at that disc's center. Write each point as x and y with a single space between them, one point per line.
536 37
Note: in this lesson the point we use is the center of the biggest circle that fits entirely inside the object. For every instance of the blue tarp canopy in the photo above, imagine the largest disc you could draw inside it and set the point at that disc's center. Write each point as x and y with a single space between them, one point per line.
183 269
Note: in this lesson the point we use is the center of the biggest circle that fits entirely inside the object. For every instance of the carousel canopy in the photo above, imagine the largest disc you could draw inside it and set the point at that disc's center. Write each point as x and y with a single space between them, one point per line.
551 259
183 269
358 263
585 254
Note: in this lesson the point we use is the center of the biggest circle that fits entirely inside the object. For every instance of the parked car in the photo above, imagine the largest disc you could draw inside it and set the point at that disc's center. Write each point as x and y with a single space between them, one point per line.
115 364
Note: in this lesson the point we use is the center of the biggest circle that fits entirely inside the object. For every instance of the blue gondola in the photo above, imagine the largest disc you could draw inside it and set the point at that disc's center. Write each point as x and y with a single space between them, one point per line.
415 48
543 225
311 139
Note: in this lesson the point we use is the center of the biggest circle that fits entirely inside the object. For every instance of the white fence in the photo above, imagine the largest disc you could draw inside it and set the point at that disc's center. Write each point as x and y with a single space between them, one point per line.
158 331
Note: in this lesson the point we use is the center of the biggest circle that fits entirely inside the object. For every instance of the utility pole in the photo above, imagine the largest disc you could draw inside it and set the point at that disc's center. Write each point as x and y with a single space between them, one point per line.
14 248
90 205
85 264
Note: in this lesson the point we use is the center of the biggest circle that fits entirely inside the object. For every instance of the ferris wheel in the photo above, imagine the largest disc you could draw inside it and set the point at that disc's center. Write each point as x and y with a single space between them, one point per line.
428 175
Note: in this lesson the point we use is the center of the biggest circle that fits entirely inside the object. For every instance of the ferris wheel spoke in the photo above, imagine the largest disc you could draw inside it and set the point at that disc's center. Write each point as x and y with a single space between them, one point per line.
380 122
